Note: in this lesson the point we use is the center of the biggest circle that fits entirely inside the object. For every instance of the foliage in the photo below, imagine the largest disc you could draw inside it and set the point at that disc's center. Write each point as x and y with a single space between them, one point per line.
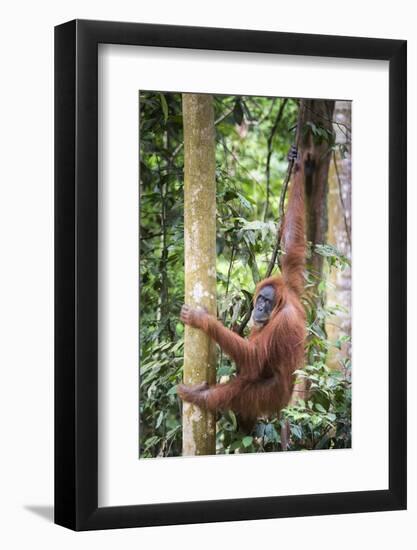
324 420
246 231
161 273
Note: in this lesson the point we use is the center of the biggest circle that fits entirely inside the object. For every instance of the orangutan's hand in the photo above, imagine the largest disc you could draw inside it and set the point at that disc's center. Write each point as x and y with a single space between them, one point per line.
192 316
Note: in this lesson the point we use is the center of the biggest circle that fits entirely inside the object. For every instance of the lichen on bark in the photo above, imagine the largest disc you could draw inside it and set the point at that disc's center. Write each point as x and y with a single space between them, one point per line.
199 426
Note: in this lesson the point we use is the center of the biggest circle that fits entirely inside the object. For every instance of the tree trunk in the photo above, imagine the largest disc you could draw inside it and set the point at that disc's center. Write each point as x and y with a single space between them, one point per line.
339 235
315 116
199 426
316 113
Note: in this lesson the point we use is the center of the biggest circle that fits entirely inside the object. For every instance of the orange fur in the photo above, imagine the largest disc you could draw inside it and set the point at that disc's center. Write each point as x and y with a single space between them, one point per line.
266 360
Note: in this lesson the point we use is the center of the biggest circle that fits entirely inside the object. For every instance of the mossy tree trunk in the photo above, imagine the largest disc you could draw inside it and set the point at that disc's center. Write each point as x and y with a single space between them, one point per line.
339 234
199 426
315 117
315 135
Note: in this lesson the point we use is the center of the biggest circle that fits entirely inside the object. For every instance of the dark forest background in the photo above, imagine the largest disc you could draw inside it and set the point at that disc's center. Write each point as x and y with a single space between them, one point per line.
253 137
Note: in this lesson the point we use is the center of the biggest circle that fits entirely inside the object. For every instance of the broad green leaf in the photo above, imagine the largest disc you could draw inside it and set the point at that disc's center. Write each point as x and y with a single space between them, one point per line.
247 441
159 419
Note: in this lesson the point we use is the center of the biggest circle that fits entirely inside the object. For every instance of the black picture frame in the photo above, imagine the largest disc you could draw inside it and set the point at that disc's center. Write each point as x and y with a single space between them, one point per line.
76 271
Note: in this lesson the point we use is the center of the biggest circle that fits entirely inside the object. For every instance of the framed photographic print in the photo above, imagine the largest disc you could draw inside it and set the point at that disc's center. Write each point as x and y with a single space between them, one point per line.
230 275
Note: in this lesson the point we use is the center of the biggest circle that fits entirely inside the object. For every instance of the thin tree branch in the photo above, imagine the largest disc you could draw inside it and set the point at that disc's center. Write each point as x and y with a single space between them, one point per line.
347 228
274 256
281 213
229 272
277 246
275 252
232 259
222 117
344 128
240 164
266 116
240 328
269 154
152 236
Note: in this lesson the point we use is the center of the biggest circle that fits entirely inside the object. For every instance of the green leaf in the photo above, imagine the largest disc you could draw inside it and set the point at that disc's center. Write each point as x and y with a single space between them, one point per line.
151 441
233 419
322 286
271 434
235 445
164 106
225 370
320 408
296 430
247 441
159 419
